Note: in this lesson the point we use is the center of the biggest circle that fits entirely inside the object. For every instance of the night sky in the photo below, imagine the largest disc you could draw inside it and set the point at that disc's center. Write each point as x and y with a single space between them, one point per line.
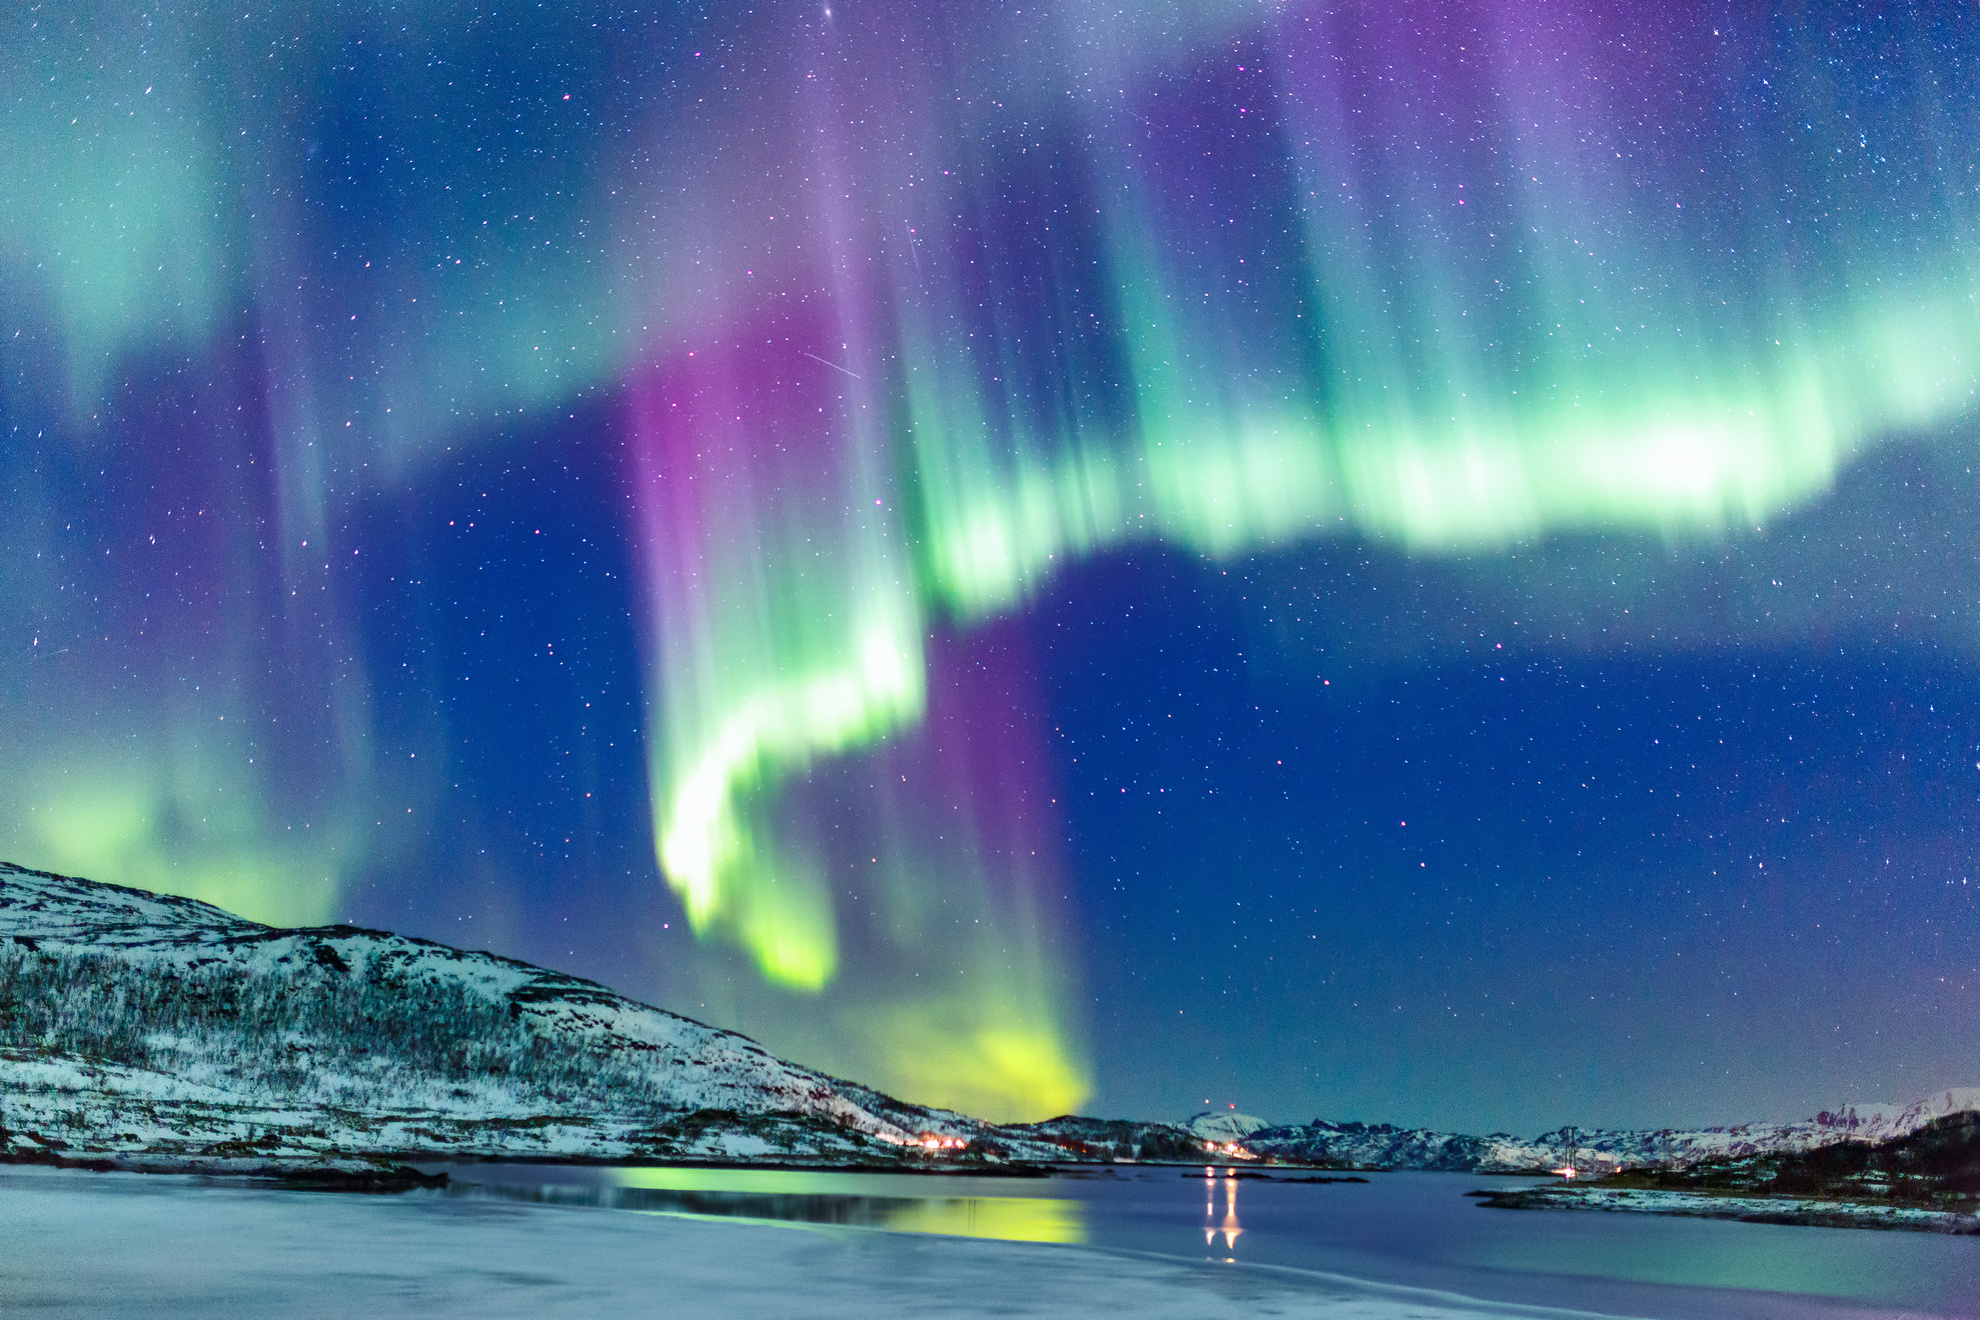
1404 561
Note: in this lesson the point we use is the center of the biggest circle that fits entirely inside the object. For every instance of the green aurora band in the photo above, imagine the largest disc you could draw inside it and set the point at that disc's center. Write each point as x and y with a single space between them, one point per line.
907 310
1572 350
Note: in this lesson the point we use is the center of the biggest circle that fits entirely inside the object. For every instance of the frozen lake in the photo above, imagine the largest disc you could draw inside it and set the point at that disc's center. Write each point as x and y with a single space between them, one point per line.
537 1241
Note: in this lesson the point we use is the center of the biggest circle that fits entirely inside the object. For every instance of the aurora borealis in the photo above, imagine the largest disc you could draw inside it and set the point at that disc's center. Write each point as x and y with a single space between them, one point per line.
1034 556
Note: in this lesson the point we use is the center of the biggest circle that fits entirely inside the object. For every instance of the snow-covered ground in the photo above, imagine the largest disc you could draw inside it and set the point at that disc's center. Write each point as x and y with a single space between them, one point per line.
166 1248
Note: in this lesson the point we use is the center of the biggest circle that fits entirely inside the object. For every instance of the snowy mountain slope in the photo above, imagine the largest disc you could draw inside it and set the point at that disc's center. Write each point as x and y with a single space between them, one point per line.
1889 1122
155 1028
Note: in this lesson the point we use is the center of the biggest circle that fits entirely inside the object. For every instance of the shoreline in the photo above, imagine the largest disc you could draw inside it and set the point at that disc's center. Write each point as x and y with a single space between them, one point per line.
403 1171
1799 1211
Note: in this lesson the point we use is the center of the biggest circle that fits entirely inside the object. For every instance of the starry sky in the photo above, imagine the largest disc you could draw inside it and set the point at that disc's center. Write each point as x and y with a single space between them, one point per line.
1403 561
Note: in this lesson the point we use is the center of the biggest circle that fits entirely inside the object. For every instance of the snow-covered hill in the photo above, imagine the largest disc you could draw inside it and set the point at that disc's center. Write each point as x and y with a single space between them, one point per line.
1224 1125
161 1031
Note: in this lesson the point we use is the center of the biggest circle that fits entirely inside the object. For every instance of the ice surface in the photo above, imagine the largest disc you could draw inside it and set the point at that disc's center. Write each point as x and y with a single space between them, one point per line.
165 1247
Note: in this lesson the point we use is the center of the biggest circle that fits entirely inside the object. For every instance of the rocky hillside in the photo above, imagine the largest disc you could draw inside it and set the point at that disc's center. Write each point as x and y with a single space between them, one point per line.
159 1031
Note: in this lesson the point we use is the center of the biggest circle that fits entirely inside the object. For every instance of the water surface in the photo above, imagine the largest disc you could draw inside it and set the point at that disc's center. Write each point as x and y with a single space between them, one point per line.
1410 1229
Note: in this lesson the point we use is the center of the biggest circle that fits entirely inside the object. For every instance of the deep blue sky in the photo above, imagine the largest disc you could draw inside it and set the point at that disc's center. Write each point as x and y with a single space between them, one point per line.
1599 832
1508 863
1406 561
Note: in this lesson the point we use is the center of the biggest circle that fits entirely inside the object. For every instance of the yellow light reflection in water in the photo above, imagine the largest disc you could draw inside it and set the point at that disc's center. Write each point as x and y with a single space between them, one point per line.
1230 1228
1006 1218
874 1201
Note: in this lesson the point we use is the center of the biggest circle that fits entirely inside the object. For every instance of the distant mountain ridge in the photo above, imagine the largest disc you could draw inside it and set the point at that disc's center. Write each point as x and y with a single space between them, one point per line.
1383 1146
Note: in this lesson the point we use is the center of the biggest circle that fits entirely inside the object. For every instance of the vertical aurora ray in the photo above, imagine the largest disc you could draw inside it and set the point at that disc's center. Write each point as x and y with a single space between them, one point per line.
787 627
108 214
244 296
1253 291
941 849
1340 314
784 625
1641 350
166 729
947 847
